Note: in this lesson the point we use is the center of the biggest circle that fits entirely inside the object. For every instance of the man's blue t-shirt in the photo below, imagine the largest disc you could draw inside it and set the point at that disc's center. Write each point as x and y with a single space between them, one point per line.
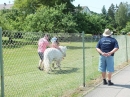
106 44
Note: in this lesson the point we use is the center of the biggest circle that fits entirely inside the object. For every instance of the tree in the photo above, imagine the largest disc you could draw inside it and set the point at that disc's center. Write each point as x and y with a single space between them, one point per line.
90 24
49 19
127 28
104 12
30 6
111 16
80 21
26 6
121 15
10 22
97 24
111 12
13 19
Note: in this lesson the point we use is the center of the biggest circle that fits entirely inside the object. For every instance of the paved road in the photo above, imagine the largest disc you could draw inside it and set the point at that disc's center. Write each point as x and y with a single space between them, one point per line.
120 89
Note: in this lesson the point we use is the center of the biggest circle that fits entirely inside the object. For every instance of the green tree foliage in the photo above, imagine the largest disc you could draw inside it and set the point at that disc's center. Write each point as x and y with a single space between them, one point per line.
121 15
30 6
111 17
69 6
61 16
5 19
127 28
49 19
81 22
97 24
111 12
90 24
12 19
128 5
104 12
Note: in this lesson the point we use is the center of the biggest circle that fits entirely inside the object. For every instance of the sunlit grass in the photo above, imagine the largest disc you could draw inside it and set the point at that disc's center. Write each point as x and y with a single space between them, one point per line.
22 78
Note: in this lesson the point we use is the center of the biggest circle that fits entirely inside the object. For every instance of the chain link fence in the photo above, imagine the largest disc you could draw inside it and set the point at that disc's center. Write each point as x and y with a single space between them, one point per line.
22 78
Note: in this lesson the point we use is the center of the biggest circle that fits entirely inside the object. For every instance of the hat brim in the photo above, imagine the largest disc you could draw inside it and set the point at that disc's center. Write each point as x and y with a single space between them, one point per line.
107 34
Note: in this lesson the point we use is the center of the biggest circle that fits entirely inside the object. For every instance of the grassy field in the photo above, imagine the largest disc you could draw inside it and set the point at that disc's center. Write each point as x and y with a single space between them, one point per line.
23 79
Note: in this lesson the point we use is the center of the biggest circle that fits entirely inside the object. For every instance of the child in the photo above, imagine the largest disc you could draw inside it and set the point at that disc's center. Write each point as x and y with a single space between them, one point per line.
55 44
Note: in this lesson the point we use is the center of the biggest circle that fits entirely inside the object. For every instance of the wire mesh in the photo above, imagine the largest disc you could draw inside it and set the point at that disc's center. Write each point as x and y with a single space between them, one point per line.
24 79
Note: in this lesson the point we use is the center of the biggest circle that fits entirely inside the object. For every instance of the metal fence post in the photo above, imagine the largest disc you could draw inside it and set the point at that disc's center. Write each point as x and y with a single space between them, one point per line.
1 65
126 49
83 58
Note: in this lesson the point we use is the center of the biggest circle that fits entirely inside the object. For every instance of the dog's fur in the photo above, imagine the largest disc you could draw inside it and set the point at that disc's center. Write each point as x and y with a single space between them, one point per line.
53 54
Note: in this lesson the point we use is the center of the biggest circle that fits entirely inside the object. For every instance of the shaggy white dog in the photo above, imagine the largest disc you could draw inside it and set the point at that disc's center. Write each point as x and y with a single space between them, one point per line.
53 54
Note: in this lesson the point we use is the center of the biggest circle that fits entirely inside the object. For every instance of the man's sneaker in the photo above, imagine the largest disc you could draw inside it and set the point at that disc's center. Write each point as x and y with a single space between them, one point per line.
104 82
110 83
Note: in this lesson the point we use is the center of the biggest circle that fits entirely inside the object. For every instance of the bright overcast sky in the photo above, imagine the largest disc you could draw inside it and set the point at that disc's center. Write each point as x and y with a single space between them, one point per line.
6 1
96 5
93 5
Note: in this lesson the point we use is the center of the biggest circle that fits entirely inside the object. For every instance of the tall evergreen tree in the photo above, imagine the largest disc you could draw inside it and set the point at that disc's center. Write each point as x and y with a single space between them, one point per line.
104 10
104 13
111 11
111 15
121 15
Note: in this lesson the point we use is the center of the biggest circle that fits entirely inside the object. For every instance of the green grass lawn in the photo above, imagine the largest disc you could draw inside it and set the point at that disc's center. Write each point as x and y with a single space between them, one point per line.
23 79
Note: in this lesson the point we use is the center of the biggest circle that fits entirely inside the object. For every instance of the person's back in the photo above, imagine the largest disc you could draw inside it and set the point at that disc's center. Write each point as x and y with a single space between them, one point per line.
107 44
42 44
106 47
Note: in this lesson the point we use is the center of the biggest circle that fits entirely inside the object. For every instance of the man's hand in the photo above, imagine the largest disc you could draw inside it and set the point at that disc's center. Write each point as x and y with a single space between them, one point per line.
106 54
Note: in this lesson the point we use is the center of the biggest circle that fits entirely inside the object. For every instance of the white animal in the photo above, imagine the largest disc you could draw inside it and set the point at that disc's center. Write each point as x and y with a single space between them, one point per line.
53 54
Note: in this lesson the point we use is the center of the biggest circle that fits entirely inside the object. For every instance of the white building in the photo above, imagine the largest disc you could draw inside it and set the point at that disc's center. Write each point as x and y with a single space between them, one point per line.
5 6
85 9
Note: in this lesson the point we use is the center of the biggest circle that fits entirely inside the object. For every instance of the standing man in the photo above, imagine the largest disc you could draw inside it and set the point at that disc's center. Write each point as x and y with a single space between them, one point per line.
106 47
42 45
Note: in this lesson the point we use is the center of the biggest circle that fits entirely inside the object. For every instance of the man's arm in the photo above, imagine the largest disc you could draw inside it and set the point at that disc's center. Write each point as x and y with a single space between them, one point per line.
113 51
102 53
99 51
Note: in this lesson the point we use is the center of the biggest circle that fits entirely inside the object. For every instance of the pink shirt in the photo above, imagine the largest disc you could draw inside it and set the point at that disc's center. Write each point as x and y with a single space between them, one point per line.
42 44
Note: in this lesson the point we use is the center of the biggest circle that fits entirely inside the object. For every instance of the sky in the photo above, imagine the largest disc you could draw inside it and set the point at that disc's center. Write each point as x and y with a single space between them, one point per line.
6 1
93 5
97 5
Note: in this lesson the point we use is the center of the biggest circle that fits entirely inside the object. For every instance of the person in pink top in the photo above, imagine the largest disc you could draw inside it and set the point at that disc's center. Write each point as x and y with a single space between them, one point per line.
42 45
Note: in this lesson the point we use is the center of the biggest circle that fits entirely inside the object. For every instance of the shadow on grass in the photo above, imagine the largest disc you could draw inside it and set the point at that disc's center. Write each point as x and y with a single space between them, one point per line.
76 47
64 70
